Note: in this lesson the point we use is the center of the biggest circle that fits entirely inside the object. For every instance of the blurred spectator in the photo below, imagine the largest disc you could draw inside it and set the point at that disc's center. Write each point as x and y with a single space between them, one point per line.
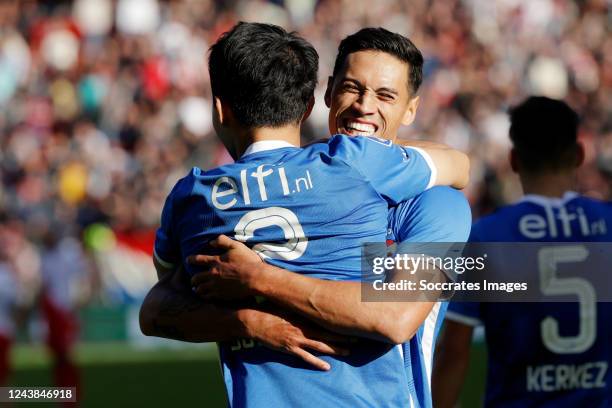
19 283
105 104
8 286
604 159
64 269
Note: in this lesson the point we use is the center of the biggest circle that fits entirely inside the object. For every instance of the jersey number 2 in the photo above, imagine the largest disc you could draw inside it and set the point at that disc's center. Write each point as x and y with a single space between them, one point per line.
283 218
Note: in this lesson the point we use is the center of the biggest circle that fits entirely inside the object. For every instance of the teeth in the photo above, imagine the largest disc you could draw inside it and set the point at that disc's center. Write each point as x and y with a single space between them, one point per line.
362 128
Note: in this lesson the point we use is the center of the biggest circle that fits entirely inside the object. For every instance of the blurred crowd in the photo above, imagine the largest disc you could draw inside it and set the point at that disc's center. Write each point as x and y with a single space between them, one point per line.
104 104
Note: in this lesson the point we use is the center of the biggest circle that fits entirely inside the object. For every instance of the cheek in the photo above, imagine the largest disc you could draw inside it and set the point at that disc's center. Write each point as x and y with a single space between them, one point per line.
342 103
332 117
390 124
335 111
392 117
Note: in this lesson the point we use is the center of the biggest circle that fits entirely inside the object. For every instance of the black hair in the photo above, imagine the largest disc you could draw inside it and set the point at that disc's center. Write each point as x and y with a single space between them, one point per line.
379 39
265 74
544 133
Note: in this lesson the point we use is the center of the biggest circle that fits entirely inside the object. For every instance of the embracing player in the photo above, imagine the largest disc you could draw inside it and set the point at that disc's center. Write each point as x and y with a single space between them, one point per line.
372 92
530 363
376 76
276 196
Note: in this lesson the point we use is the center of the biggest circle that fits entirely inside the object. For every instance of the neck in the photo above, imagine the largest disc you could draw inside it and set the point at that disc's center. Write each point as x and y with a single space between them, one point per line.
288 133
549 184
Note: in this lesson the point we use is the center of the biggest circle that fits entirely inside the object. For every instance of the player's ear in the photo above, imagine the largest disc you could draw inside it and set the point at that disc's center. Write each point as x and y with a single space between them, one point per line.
328 91
218 115
411 110
311 103
513 160
579 154
221 112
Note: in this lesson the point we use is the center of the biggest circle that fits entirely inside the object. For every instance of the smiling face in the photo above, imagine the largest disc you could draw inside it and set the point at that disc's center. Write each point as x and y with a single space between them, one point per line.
370 96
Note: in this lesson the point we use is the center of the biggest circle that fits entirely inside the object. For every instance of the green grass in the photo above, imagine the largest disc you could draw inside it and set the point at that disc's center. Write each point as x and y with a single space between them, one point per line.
118 375
473 388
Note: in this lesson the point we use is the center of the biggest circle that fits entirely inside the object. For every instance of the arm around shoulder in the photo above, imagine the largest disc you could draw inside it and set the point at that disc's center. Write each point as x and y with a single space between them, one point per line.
452 167
171 310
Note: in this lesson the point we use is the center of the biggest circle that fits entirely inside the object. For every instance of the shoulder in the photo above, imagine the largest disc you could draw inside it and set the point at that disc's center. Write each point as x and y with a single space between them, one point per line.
595 210
592 203
184 185
484 224
503 216
508 212
442 204
339 148
344 143
438 214
443 196
196 183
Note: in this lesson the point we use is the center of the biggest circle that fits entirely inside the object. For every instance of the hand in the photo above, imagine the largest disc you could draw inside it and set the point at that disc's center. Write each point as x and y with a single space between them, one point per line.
228 276
292 335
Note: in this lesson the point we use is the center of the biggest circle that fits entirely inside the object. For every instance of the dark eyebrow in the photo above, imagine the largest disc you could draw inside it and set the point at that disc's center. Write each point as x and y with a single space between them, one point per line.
388 90
360 85
353 81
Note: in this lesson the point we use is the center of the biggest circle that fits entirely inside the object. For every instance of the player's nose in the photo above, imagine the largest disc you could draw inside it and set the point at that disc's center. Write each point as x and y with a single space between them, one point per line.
364 104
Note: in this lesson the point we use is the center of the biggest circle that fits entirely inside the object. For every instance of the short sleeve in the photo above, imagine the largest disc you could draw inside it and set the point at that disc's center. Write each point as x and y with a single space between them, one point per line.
441 214
166 249
397 173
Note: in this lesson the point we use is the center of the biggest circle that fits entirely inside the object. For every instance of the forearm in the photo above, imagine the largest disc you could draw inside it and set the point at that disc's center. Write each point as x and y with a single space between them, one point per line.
450 365
180 315
161 270
447 379
424 144
453 166
337 306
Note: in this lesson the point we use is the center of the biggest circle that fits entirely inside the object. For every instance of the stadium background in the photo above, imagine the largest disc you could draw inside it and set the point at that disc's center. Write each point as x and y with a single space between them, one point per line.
105 104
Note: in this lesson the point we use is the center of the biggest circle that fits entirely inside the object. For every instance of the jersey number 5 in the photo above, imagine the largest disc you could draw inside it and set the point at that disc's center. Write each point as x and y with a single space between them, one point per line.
551 285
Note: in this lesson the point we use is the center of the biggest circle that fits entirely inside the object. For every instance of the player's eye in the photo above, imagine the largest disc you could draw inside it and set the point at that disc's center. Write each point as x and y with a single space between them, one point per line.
350 88
387 97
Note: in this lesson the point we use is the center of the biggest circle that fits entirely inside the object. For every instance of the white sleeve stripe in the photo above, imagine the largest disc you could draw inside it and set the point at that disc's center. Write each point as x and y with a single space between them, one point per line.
427 340
161 261
459 318
432 167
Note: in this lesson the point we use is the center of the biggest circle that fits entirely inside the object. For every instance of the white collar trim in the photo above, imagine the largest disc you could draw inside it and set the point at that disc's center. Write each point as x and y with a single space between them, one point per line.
264 145
549 201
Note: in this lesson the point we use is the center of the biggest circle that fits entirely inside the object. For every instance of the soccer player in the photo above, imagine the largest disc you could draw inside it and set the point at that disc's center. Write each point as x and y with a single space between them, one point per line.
12 293
372 91
528 364
63 267
277 197
376 76
8 301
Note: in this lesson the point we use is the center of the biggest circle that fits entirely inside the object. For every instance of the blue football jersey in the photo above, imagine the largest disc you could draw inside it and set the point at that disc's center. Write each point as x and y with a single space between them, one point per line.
307 210
440 214
530 363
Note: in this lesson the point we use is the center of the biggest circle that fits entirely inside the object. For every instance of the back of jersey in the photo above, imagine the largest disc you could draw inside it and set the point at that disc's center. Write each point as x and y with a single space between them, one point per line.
307 210
547 354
